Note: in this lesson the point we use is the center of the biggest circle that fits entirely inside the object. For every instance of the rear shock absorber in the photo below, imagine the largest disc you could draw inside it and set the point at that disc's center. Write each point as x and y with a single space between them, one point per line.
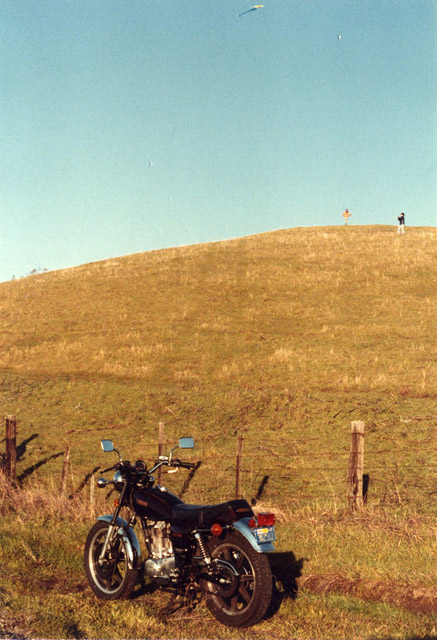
203 548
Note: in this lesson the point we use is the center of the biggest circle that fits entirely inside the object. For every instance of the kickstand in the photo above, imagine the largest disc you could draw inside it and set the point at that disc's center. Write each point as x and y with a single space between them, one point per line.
181 599
193 598
176 602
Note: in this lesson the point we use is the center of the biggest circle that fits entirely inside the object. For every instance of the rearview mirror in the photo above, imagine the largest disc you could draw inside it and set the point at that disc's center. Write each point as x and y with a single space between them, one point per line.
186 443
107 445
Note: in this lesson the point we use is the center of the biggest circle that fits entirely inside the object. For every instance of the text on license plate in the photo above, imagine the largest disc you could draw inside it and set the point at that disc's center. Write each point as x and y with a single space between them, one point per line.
266 534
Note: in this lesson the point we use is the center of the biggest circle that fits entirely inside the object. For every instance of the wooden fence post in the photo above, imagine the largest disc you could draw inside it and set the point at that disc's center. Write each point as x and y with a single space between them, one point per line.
161 438
356 464
92 496
11 448
65 469
238 467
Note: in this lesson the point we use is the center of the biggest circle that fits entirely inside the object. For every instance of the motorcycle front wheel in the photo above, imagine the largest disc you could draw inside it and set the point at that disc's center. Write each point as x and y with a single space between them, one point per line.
112 579
242 590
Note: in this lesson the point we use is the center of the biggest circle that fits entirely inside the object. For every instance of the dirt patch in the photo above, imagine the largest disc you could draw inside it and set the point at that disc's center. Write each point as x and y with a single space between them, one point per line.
61 584
413 598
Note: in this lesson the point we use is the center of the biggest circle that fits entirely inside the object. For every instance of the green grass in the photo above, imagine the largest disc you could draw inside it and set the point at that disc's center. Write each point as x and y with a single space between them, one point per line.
283 338
44 594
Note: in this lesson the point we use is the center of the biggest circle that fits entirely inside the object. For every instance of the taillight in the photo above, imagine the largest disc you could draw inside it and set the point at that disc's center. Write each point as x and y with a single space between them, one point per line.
265 519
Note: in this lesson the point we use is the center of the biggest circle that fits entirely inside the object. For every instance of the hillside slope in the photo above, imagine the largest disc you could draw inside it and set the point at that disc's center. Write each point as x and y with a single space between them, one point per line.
283 337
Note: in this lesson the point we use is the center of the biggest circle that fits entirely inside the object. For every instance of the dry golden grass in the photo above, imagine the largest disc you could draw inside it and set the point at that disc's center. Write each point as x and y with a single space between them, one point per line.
37 502
358 303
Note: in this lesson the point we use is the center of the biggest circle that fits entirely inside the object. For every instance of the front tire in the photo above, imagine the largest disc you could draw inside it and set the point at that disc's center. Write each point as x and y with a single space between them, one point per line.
113 579
243 591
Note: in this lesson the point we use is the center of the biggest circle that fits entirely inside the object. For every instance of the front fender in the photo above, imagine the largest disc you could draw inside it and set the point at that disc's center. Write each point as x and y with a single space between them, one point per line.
130 540
243 527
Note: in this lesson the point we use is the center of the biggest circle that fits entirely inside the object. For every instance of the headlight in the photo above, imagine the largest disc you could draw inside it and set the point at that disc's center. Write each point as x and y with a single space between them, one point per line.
118 481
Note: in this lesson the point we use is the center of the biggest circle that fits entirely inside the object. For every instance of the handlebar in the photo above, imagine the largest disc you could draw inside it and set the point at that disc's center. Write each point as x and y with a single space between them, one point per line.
106 470
183 465
175 462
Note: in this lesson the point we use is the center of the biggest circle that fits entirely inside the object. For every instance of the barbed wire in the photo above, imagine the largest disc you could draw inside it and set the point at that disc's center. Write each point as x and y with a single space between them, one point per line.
255 462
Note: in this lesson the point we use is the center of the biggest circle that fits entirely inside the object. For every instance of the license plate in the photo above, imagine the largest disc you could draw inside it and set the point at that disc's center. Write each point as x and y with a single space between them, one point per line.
266 534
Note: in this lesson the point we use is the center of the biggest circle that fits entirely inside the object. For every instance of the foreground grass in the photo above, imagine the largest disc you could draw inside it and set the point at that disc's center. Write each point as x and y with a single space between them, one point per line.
44 594
373 544
308 618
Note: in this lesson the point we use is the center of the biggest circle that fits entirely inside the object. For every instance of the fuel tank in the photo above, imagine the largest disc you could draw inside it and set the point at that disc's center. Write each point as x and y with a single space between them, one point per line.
154 503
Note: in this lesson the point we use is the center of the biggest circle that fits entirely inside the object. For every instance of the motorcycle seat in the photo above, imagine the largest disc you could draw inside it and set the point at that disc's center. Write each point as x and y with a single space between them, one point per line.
200 516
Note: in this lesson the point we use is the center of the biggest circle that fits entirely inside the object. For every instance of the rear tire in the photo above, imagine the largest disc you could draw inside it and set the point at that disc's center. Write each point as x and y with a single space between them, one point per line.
112 580
245 592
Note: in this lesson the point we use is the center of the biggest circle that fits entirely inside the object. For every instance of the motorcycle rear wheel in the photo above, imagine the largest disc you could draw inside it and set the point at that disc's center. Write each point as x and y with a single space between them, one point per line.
245 592
113 579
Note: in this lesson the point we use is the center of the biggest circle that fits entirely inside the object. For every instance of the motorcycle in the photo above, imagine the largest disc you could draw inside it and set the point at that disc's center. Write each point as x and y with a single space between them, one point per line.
216 552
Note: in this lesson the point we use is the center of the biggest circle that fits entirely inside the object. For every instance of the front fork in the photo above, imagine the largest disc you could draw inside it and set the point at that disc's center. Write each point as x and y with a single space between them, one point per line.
112 526
111 529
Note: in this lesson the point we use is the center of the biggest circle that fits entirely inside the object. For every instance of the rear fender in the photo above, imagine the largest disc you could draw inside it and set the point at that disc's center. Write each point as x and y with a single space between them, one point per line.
130 540
243 527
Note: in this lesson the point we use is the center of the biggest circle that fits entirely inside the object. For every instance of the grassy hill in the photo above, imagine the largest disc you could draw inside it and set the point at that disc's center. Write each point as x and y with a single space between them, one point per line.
279 337
283 338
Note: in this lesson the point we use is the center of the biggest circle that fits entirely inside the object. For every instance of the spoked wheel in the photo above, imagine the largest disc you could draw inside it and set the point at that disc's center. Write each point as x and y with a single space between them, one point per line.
241 592
112 579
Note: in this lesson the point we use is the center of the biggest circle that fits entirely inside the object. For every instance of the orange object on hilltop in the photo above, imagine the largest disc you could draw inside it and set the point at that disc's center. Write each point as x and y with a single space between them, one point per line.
346 216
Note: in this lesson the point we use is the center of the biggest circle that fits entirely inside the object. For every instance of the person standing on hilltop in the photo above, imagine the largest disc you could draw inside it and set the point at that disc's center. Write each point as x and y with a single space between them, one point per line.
346 216
401 227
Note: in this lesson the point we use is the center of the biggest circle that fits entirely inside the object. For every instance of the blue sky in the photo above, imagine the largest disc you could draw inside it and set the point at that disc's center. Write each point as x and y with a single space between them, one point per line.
131 125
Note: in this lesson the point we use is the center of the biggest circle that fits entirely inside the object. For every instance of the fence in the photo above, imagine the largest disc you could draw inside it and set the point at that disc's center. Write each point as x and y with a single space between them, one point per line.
305 472
8 461
253 470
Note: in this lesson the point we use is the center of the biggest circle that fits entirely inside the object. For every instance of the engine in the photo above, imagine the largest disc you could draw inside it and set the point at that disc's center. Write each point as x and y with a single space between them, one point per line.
161 563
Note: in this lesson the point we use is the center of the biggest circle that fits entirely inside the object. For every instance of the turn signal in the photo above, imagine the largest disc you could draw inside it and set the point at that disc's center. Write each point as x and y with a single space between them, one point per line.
216 529
265 519
252 523
116 503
